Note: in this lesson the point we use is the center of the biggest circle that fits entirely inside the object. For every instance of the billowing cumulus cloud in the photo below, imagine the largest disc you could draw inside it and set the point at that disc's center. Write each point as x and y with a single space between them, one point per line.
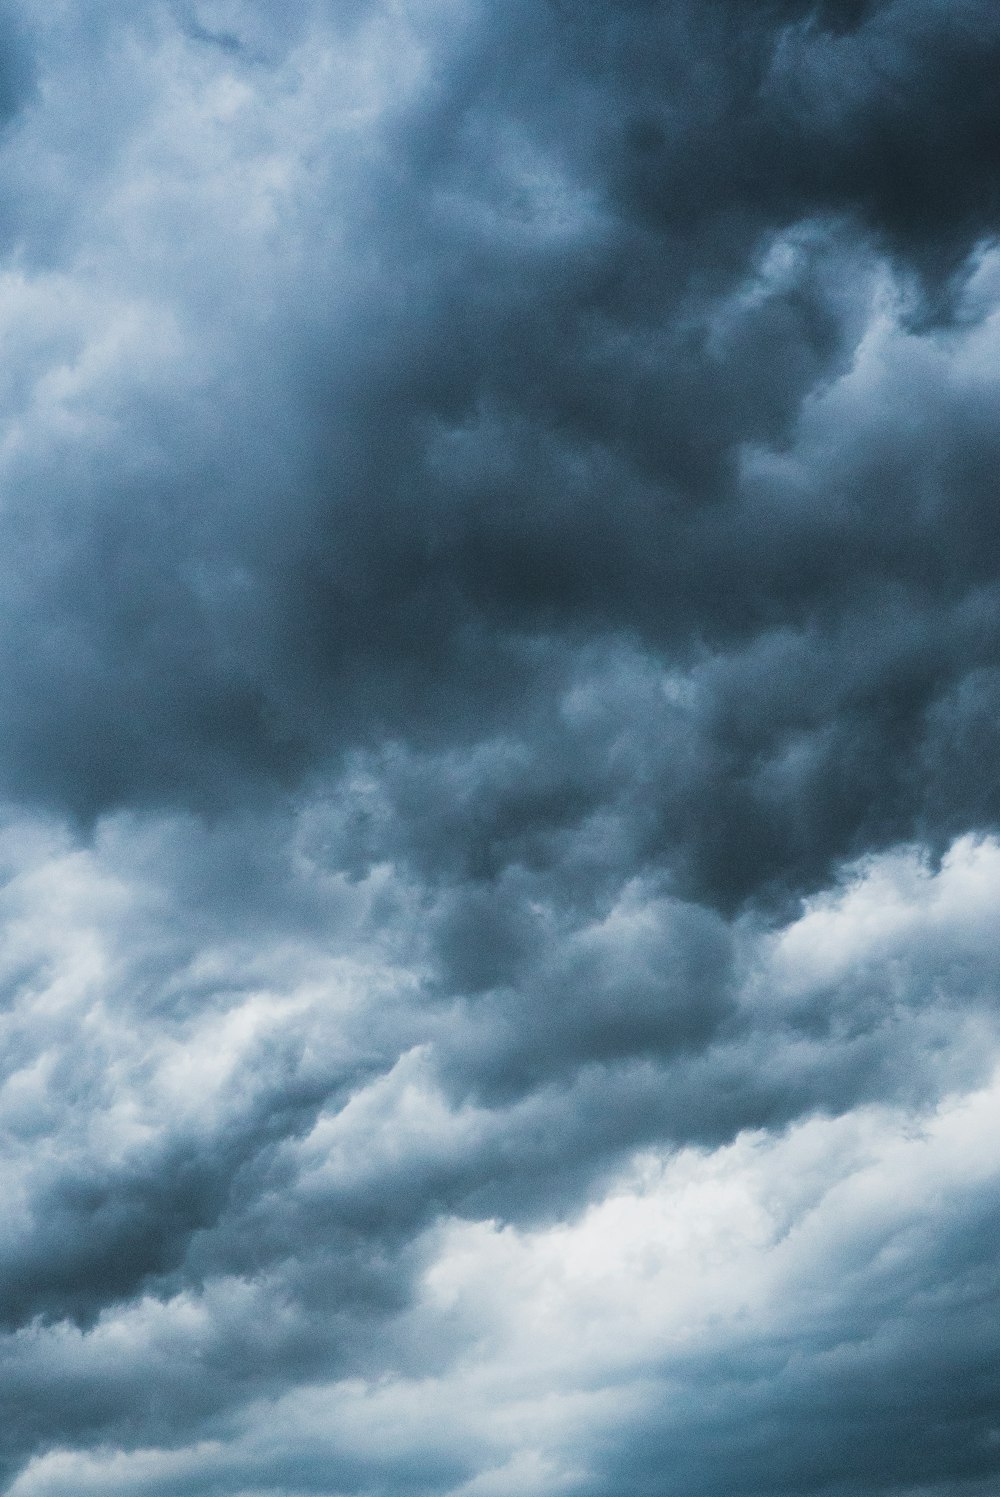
499 671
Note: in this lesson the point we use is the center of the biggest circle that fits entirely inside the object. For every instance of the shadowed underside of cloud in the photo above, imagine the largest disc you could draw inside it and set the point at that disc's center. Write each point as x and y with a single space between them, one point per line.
499 679
345 411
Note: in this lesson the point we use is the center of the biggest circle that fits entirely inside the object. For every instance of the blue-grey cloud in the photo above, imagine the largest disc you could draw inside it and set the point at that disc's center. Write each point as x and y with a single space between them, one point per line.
498 675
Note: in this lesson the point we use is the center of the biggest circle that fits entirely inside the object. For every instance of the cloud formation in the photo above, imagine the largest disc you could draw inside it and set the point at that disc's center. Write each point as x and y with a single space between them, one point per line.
498 752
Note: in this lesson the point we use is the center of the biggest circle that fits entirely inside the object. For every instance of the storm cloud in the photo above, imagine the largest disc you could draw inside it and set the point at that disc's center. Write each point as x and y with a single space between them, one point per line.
499 755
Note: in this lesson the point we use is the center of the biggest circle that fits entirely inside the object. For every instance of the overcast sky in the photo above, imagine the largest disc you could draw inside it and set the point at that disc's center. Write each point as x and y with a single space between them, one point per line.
499 748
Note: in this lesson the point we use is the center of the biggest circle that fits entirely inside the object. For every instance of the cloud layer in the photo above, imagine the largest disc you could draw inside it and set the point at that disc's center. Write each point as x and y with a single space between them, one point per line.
498 748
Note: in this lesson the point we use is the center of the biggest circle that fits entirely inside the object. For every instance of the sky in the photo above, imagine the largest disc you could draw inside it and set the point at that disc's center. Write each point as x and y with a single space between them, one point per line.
499 748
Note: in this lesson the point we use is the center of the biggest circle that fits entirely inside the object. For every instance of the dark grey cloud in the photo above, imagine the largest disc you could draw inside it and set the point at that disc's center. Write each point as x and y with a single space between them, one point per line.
498 669
504 409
